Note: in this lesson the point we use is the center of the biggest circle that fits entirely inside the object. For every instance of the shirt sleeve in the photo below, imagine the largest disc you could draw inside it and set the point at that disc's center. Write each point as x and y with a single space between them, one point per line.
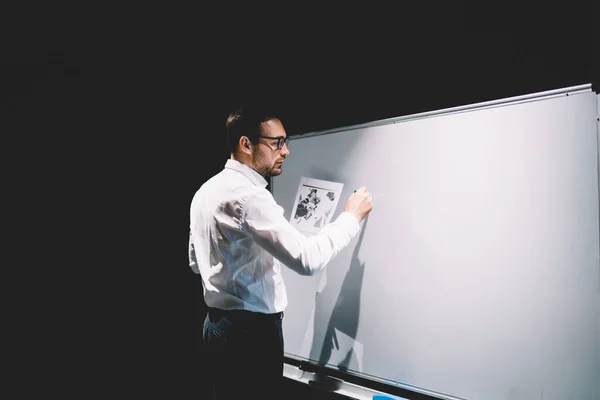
192 256
263 221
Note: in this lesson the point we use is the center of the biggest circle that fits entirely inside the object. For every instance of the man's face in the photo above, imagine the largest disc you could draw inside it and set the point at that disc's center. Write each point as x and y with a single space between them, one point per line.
266 157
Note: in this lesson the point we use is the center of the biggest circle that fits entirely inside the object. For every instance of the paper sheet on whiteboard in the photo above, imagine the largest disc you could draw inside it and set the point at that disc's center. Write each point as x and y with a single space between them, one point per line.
314 204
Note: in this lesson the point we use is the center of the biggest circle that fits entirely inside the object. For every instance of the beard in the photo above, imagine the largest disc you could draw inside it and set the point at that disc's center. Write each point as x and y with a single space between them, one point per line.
275 171
265 167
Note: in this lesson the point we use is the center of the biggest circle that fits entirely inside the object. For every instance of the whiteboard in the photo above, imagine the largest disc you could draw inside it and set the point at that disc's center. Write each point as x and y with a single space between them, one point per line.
477 274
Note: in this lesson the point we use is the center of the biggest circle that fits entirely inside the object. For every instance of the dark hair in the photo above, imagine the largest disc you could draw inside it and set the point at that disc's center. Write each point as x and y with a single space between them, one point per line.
245 121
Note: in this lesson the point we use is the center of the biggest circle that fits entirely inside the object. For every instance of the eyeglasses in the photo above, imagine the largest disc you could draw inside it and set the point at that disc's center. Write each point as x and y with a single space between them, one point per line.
280 140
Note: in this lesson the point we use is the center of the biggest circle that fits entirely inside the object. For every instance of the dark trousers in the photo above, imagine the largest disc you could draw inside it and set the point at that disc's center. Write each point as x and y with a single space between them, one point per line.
245 354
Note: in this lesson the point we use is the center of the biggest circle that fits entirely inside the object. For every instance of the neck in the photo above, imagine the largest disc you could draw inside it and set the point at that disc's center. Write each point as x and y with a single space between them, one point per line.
244 159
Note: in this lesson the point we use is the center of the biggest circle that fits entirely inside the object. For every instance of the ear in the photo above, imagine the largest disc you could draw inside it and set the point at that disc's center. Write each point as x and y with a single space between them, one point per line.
245 144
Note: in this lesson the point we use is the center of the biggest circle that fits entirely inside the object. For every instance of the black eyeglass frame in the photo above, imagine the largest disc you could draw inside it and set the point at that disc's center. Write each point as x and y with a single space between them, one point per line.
281 140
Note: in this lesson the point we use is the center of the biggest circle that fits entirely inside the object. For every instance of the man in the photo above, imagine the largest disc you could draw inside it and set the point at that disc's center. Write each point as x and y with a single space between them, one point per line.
239 241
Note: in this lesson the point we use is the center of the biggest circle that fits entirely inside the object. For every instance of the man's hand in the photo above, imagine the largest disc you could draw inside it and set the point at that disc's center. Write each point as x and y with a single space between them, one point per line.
360 203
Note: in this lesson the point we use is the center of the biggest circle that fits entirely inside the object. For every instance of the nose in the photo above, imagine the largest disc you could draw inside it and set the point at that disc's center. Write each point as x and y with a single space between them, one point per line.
285 150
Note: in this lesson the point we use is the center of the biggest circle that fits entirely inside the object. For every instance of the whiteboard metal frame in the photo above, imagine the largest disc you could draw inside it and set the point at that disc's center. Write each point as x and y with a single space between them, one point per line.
453 110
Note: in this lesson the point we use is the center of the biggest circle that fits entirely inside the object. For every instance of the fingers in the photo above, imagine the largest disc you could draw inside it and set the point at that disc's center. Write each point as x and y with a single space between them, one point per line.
360 203
362 191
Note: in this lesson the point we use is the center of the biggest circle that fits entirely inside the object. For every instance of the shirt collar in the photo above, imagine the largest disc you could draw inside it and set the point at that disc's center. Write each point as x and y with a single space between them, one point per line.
248 172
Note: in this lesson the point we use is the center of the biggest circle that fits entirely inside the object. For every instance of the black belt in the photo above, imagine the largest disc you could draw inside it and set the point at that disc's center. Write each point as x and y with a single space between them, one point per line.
242 315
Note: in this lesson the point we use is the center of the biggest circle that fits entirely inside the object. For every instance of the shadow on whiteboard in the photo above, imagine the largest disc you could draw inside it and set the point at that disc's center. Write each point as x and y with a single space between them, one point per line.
339 345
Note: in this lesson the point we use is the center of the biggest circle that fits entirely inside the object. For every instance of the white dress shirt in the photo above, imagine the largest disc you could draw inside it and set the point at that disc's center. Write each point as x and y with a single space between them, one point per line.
239 239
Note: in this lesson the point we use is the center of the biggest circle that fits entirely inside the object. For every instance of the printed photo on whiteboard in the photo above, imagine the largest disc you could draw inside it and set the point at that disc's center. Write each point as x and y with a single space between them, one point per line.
315 204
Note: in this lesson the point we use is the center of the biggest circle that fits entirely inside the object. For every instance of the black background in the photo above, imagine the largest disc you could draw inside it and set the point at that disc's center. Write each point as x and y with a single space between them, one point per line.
119 115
